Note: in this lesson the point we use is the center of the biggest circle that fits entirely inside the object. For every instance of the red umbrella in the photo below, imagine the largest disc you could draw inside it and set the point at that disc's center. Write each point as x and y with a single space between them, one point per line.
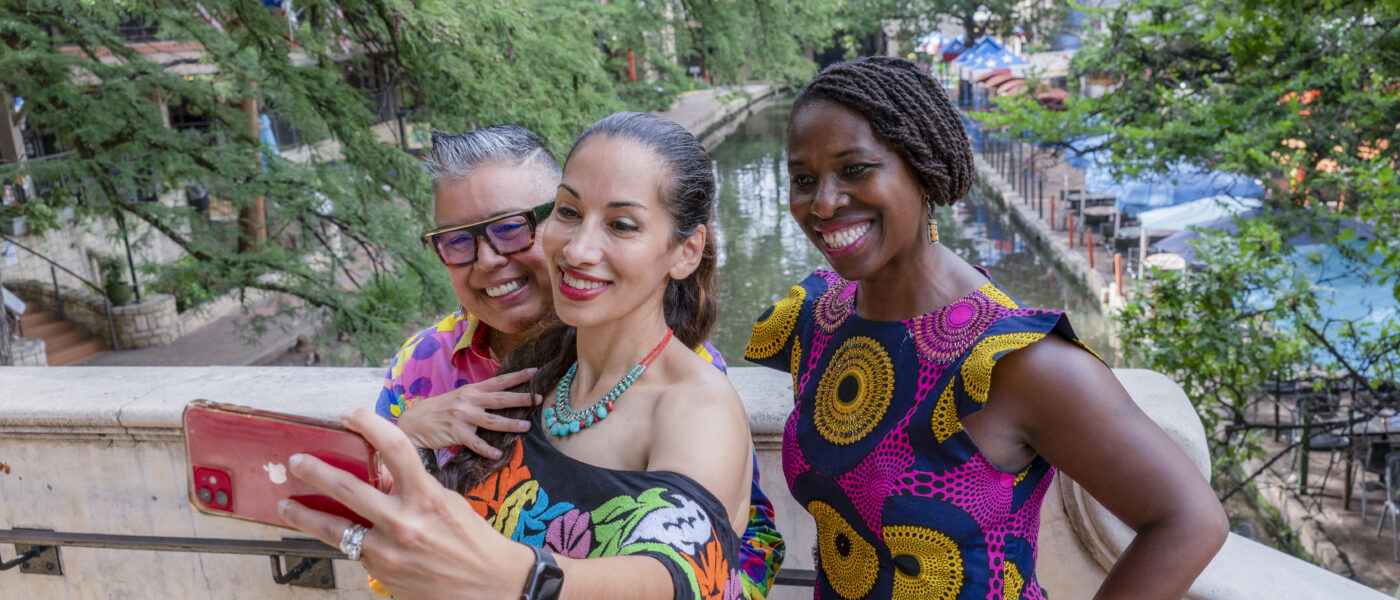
1012 87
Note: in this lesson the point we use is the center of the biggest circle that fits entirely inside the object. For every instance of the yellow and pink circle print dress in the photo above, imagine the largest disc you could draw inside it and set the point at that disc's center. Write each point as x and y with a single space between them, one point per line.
905 504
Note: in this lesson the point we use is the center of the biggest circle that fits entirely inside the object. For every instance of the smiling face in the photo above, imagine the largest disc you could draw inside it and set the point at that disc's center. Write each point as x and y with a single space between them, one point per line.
609 241
506 292
852 193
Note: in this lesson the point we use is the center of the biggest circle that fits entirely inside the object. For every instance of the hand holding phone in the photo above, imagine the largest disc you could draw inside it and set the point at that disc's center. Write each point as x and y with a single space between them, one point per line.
237 461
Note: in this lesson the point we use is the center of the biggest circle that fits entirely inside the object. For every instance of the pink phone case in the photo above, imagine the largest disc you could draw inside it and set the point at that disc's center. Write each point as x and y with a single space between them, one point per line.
237 459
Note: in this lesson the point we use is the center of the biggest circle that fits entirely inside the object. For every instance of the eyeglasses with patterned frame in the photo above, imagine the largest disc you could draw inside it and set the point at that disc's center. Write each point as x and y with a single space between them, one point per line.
507 234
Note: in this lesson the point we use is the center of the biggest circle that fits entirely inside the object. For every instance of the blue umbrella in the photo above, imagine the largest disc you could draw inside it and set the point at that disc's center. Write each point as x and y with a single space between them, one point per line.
1181 183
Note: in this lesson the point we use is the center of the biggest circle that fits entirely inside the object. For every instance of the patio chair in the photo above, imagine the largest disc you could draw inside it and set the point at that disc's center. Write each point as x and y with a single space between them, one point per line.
1391 508
1373 462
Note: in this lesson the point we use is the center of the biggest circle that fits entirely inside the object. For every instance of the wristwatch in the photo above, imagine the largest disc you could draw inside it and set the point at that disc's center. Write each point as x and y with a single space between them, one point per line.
545 578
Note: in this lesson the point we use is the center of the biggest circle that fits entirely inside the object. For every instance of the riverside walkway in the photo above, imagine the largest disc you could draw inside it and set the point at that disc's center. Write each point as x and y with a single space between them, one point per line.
1029 182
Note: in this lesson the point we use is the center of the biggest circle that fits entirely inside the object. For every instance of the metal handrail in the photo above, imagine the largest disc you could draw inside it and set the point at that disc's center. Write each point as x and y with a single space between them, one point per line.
292 547
39 537
94 287
58 293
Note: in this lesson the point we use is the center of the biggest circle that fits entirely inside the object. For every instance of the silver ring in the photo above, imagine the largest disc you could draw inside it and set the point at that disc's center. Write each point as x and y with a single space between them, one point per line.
351 540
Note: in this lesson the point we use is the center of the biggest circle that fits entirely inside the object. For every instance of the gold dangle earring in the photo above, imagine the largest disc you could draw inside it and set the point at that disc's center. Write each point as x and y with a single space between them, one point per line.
932 221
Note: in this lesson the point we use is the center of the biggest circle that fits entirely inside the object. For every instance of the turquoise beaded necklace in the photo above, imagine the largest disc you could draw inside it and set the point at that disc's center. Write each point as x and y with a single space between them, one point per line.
563 420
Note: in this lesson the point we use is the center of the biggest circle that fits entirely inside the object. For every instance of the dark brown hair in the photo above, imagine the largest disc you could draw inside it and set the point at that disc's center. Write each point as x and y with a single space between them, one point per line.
691 304
908 110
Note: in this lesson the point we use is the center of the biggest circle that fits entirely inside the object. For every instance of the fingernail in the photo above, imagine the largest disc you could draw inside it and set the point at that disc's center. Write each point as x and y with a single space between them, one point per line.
538 398
349 412
532 370
495 453
283 504
294 460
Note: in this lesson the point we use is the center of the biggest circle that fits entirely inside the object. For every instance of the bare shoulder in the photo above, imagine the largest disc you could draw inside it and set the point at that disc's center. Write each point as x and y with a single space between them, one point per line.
1052 371
701 431
704 409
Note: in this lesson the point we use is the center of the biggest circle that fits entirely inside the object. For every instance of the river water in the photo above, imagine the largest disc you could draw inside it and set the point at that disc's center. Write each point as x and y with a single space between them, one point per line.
762 252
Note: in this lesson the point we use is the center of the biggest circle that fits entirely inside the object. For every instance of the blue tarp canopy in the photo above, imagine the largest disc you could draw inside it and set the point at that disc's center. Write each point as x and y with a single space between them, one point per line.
999 59
983 46
988 54
954 47
1195 212
1347 291
1181 183
932 42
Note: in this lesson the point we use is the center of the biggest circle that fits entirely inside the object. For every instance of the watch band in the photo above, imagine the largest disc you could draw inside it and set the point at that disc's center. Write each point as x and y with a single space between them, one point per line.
545 578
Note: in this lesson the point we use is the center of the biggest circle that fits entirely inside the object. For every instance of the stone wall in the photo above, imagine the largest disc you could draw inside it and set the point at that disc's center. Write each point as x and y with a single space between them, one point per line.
81 306
28 353
150 322
108 458
75 243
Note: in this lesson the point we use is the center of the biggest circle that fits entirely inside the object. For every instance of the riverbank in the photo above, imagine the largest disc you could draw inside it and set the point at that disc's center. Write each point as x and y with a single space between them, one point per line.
1090 267
712 114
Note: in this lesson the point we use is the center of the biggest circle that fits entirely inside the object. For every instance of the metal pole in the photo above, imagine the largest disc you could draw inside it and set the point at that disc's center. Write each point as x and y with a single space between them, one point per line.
7 356
130 262
111 325
1304 407
57 294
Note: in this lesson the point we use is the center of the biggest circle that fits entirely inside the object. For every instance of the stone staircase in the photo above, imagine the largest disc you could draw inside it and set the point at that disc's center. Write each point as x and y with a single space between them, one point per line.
64 343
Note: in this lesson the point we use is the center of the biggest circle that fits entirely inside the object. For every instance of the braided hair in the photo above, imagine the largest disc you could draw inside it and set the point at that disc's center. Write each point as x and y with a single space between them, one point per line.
908 110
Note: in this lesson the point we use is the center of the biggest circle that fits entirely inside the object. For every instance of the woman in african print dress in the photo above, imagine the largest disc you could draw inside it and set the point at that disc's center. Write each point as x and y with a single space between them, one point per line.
932 409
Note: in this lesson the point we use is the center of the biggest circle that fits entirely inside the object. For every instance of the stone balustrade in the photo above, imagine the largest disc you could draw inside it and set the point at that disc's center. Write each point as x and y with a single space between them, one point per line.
100 450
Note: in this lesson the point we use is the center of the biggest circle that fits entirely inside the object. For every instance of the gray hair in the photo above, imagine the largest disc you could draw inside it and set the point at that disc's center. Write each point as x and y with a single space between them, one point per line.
458 155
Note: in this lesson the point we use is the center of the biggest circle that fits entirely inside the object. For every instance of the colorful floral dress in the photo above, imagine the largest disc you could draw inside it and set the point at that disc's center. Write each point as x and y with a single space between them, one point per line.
547 499
455 352
906 506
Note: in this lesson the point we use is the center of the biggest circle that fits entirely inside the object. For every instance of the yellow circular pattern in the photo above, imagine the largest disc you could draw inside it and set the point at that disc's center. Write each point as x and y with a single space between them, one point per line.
977 368
771 332
796 363
854 392
997 296
940 566
849 562
945 415
1012 584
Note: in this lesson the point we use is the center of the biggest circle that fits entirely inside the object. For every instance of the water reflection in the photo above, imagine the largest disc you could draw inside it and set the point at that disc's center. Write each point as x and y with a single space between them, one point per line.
762 252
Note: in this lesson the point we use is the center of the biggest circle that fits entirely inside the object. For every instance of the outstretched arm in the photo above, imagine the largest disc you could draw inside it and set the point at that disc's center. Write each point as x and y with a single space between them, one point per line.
1073 412
427 542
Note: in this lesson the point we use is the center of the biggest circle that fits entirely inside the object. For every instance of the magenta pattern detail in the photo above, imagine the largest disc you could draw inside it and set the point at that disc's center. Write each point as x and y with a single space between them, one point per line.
903 473
984 492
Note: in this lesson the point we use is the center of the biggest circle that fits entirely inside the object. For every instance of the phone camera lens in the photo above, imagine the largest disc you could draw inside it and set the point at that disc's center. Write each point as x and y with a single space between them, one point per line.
204 495
221 499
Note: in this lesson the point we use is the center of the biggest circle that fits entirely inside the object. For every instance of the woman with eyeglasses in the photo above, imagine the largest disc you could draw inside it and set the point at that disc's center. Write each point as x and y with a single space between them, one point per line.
641 451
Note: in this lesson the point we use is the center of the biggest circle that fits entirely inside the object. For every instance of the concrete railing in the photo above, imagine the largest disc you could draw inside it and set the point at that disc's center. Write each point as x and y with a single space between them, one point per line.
99 450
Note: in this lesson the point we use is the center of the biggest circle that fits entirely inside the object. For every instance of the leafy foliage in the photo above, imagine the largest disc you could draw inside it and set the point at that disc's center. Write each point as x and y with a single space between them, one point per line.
1225 329
344 208
1303 95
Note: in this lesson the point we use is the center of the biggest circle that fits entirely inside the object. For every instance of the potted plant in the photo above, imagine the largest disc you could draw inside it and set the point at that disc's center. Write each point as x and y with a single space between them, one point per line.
118 290
12 219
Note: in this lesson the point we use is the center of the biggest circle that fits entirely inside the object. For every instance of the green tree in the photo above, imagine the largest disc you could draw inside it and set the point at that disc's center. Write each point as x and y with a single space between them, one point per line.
1299 94
343 213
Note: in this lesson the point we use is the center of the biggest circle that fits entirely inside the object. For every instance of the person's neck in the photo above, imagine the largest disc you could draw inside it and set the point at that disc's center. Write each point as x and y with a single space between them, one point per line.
914 283
606 351
502 343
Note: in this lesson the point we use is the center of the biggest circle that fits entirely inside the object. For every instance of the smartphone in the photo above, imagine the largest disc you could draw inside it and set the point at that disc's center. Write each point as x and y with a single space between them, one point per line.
237 461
